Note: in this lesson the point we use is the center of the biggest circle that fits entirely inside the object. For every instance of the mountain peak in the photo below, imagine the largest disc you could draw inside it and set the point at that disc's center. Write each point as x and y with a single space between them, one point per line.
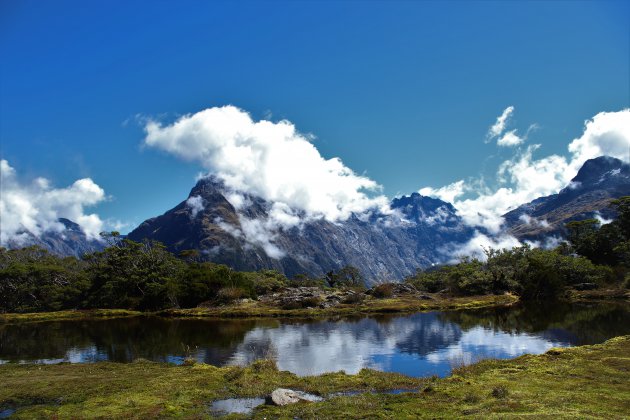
208 185
598 181
595 171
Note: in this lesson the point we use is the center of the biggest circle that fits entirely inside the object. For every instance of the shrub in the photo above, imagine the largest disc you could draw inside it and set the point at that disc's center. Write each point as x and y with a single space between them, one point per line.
499 392
268 281
293 304
302 280
471 398
430 281
310 302
230 294
354 298
384 290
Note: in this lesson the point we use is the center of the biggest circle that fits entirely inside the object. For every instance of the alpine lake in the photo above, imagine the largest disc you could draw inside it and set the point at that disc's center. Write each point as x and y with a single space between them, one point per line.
418 345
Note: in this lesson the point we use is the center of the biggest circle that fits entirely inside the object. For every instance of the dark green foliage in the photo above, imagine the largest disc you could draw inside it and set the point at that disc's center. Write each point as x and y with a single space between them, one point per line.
348 276
267 281
303 280
608 244
469 277
134 275
534 274
202 282
127 275
33 279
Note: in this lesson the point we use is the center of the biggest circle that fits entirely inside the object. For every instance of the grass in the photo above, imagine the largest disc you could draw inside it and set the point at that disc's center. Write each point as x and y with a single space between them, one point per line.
69 314
582 382
255 309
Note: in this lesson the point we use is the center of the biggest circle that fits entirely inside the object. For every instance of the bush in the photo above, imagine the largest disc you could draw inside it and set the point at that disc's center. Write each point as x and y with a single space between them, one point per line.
384 290
432 282
294 304
230 294
354 298
267 281
309 302
302 280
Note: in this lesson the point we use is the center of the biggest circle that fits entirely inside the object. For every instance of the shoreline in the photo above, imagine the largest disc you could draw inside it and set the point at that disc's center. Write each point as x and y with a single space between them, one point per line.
583 381
255 309
404 304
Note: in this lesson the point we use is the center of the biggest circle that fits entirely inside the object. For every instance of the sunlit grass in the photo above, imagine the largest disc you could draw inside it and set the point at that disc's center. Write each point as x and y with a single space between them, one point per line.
583 382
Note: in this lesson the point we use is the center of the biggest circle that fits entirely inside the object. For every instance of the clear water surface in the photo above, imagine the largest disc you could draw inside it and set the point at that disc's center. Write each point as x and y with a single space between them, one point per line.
422 344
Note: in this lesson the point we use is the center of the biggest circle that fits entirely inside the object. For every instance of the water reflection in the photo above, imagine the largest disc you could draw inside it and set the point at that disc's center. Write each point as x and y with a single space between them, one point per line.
419 345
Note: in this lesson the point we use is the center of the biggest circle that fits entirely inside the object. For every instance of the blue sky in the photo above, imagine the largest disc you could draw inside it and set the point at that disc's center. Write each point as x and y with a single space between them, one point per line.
402 92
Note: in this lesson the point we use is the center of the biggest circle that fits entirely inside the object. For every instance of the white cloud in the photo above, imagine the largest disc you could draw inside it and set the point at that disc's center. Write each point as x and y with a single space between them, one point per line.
477 245
195 203
601 219
532 221
608 133
36 207
266 159
448 193
499 126
510 139
524 177
441 216
271 160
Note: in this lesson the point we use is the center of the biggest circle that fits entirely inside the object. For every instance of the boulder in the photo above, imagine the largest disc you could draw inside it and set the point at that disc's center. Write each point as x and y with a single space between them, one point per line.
283 396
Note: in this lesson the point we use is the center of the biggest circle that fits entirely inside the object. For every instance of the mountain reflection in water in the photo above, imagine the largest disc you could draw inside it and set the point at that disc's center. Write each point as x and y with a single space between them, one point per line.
421 344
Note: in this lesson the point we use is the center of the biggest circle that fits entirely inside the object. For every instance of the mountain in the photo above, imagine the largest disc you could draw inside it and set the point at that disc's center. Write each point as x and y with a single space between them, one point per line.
383 247
588 195
71 241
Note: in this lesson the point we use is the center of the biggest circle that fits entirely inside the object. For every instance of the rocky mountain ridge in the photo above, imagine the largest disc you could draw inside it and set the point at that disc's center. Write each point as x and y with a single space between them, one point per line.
381 246
588 195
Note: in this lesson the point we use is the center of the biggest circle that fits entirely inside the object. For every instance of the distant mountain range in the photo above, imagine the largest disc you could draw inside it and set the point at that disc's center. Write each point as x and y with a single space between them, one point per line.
419 233
69 242
382 247
588 195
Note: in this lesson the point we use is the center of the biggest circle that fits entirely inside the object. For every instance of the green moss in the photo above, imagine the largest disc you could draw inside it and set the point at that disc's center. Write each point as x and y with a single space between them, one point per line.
583 382
148 390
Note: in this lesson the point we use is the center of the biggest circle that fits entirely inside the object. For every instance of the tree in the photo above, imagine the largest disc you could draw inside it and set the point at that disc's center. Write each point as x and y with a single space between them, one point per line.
348 276
31 279
135 276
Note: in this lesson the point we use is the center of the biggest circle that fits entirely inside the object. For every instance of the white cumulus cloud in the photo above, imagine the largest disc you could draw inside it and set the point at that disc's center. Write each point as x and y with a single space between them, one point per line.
266 159
37 206
271 160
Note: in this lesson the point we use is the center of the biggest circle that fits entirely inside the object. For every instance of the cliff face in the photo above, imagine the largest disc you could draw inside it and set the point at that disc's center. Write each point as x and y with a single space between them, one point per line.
383 247
599 181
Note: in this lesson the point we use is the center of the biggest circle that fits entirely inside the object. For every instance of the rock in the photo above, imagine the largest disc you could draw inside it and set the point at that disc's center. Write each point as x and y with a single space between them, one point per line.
283 396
